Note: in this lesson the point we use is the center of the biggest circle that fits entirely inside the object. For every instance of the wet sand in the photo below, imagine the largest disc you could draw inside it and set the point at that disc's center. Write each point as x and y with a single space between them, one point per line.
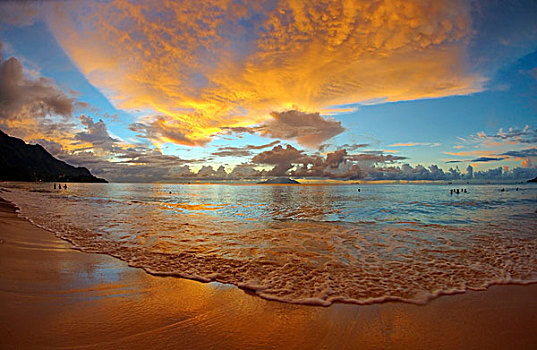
52 296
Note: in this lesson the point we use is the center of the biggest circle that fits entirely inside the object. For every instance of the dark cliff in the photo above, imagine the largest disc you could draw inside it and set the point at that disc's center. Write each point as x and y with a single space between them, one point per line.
22 162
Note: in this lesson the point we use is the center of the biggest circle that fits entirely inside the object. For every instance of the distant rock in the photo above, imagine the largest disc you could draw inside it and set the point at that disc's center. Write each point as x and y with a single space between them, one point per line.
22 162
532 180
280 181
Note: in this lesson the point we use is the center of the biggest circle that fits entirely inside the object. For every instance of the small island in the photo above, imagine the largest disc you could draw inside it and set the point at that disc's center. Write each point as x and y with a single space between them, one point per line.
280 181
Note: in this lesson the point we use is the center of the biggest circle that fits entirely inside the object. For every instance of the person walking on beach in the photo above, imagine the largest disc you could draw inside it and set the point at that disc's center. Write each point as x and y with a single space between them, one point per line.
54 186
65 186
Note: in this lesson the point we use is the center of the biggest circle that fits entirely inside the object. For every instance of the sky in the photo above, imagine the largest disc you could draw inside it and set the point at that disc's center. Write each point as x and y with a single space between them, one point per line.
227 89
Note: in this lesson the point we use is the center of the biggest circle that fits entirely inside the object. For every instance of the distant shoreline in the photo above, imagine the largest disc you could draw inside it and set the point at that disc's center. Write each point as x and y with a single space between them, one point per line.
302 182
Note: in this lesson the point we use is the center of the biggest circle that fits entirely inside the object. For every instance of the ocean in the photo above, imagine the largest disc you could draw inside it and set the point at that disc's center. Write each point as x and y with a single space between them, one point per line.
307 244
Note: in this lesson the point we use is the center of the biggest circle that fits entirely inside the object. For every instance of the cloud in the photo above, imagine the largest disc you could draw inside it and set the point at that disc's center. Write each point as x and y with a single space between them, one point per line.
308 129
19 13
162 129
25 98
38 111
232 152
525 135
141 164
208 171
525 153
411 144
196 67
336 165
124 163
486 159
281 158
477 152
527 163
349 147
502 145
353 147
246 171
492 156
376 158
407 172
96 134
245 151
31 107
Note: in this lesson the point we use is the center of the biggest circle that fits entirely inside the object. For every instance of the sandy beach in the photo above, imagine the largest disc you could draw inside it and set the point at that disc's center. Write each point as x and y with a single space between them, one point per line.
53 296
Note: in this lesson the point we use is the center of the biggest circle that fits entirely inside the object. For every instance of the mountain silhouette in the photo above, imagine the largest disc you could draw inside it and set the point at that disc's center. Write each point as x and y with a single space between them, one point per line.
22 162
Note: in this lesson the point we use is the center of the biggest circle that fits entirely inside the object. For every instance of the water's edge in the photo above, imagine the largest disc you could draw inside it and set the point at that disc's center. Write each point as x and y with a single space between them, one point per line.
258 290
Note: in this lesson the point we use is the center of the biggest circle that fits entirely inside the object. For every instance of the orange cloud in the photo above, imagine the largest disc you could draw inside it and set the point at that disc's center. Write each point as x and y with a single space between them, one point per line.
527 163
411 144
472 153
197 66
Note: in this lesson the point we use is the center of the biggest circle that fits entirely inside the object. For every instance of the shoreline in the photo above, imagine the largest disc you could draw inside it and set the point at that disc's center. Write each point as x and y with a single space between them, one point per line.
55 295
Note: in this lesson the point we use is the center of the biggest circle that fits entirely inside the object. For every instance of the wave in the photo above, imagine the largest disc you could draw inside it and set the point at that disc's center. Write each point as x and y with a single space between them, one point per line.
306 262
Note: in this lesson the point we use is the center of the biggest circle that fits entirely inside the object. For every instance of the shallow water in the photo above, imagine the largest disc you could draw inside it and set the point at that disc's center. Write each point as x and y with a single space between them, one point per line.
314 244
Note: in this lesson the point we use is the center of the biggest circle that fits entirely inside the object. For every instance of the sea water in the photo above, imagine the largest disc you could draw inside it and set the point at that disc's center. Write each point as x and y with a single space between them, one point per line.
310 244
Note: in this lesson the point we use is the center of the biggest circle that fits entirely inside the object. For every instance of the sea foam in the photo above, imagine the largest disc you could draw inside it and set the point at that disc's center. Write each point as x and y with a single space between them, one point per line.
305 245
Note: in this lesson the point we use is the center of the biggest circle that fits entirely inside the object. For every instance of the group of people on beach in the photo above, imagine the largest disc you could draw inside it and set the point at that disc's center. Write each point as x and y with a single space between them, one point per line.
457 191
60 186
